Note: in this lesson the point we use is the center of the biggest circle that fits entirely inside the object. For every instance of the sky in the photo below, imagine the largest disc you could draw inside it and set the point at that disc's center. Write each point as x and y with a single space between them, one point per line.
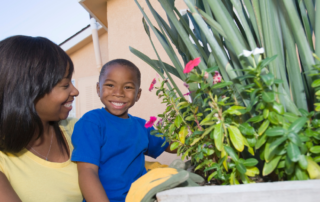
56 20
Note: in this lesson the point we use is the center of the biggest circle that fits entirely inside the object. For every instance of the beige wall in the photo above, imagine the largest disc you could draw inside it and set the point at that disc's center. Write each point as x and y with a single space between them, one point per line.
124 29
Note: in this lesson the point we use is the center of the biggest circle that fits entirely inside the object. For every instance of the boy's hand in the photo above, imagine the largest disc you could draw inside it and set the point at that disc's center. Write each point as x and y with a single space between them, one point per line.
90 184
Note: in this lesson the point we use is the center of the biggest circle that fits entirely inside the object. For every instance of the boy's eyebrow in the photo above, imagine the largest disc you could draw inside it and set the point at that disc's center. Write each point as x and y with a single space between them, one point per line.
124 83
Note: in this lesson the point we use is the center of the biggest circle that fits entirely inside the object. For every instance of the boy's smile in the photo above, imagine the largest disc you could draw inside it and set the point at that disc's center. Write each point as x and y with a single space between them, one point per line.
118 89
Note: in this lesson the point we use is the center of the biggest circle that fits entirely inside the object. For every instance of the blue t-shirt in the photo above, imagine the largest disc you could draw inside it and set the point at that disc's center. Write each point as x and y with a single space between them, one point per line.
117 146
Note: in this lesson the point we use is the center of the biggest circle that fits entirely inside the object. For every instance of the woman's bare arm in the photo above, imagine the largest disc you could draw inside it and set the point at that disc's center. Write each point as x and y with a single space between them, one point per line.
6 190
90 184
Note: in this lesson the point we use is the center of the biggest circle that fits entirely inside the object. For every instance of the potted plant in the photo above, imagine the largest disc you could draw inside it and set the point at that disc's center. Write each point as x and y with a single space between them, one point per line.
249 115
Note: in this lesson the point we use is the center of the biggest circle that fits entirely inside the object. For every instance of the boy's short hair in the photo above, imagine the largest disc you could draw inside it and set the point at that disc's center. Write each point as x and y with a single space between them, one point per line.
122 62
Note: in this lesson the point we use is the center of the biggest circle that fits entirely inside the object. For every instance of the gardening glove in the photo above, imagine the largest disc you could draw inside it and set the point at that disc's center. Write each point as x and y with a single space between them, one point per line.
152 165
194 180
156 180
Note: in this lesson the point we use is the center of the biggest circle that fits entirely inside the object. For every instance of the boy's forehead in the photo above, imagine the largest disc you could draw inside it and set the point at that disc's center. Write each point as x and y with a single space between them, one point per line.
120 70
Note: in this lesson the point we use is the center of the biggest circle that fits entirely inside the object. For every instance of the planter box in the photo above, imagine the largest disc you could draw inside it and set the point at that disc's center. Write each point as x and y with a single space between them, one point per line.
289 191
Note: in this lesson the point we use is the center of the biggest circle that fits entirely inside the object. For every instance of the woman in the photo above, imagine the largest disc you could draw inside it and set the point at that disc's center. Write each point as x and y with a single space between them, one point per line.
36 93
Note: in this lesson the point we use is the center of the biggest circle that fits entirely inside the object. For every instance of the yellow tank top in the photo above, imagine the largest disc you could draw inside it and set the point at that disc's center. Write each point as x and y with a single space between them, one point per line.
37 180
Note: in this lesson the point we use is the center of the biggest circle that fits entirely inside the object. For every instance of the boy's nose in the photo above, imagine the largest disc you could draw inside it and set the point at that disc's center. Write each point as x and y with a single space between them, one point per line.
118 91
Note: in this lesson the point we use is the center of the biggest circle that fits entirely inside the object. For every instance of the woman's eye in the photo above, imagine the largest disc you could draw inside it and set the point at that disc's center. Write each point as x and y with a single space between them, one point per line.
66 86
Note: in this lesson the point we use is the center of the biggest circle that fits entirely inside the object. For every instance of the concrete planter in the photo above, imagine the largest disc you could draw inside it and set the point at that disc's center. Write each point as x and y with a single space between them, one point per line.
293 191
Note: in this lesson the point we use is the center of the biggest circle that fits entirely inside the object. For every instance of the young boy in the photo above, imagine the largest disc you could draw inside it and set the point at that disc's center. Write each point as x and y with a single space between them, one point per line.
110 144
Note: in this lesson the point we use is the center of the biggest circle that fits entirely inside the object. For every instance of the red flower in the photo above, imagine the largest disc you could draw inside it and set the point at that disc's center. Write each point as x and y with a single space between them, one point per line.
191 64
154 81
187 94
152 84
217 78
150 123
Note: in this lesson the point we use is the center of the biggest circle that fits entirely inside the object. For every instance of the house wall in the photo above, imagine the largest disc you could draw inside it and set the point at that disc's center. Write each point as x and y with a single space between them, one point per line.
86 75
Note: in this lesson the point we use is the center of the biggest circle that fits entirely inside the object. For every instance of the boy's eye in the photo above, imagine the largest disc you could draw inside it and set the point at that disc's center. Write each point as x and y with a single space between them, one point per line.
109 85
128 87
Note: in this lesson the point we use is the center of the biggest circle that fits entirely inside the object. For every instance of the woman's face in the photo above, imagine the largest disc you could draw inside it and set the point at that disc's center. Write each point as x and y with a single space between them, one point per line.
57 104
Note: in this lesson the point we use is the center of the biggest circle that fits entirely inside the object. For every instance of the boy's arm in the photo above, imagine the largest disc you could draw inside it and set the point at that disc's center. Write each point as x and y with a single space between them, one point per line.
90 184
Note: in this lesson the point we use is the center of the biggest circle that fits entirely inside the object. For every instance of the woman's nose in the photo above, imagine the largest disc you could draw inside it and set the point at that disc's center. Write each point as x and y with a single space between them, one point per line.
74 91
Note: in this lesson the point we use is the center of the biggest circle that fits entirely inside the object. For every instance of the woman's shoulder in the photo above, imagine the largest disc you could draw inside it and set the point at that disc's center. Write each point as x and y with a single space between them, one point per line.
68 125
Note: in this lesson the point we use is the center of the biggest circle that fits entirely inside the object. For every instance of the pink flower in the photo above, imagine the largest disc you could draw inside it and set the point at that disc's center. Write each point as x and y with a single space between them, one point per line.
154 81
206 75
187 94
151 87
152 84
186 85
150 123
191 64
159 123
217 77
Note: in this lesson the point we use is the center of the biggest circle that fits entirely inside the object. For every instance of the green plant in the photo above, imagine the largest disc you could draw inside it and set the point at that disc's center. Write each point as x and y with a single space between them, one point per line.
263 110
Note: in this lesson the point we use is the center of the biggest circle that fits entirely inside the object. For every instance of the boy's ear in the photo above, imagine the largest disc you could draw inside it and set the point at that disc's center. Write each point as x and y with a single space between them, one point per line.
98 89
138 95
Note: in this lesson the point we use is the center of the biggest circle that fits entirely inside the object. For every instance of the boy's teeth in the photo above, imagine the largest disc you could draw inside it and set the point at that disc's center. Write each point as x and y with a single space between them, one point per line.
68 105
117 103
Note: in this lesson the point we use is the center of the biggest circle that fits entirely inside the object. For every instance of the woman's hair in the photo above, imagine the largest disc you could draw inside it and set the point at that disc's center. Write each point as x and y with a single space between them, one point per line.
122 62
29 68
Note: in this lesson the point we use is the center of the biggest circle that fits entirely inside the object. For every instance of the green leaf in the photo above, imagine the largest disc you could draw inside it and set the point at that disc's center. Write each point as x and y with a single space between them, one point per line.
273 147
212 175
268 79
222 84
303 163
268 96
289 165
277 131
298 124
250 162
207 131
230 151
241 168
294 138
178 121
293 152
236 138
316 83
266 61
315 149
270 166
290 116
183 134
300 174
263 127
218 136
261 140
212 69
246 129
253 171
174 146
278 108
255 119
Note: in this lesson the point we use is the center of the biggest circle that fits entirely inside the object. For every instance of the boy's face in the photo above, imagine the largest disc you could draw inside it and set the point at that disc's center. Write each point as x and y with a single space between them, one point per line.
118 89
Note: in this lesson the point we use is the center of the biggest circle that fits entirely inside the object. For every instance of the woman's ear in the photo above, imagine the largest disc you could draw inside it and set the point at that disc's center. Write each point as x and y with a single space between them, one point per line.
98 89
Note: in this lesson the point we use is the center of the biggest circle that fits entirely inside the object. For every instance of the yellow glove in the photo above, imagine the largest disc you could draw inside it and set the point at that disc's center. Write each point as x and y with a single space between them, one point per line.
152 165
156 180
